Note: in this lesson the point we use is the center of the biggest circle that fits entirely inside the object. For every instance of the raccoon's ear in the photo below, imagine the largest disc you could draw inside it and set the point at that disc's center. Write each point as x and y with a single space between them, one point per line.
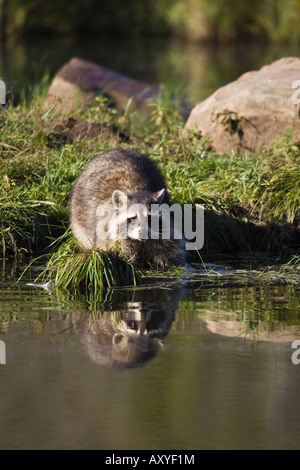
119 198
159 196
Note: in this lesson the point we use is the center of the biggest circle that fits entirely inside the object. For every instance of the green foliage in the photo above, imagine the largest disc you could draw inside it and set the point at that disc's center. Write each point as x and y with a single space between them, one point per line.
94 16
193 19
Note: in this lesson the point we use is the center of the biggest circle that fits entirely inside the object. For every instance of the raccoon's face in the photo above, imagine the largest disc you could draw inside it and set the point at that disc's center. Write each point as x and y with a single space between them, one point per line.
139 321
134 213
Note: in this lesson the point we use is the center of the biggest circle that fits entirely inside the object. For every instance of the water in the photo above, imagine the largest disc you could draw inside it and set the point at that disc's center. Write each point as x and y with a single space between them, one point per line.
196 69
213 372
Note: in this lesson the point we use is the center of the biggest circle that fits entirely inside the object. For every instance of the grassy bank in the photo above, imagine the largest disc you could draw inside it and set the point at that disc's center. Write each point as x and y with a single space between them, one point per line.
252 203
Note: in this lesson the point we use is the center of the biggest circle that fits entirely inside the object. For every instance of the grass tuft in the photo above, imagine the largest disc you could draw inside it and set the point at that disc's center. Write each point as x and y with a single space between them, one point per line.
71 268
288 273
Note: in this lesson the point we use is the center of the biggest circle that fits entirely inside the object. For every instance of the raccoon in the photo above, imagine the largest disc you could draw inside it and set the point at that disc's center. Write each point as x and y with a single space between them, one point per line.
113 181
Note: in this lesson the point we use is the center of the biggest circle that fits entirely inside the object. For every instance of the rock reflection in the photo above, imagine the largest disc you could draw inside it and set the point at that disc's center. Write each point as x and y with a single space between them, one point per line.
223 323
261 332
129 331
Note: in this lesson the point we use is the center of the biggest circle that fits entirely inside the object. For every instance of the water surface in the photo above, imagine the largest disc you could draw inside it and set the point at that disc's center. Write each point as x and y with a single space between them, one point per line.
180 365
195 69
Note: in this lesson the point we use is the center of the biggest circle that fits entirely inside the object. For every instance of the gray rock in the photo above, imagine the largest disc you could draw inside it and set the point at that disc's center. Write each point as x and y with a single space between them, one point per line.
252 111
80 81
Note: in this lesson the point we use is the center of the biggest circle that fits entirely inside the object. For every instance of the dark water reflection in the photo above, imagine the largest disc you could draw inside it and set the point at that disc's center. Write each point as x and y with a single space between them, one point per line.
180 365
197 69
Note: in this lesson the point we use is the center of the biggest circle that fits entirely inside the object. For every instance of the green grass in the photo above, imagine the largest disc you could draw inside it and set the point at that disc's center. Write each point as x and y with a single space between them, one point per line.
252 203
287 273
223 273
70 267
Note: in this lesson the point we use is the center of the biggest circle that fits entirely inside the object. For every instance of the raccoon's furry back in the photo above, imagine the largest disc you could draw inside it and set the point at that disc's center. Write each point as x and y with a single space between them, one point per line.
127 171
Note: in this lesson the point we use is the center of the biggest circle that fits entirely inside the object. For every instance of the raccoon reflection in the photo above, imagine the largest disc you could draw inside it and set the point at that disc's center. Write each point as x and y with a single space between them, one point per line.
115 179
133 332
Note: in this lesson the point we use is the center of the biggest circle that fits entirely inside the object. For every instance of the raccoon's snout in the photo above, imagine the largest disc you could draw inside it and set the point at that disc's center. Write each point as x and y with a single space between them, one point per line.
140 234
